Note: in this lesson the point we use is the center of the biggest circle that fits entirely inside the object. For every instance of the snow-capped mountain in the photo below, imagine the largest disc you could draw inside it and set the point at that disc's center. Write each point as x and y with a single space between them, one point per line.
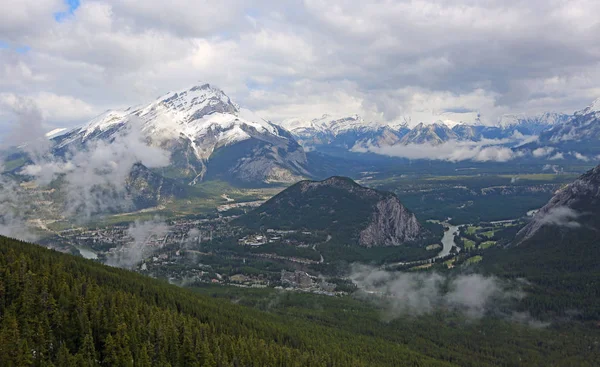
583 125
433 134
345 132
578 136
354 133
532 124
207 135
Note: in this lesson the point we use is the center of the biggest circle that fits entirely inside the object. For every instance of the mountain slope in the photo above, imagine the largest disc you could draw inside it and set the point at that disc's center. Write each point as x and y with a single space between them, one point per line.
434 134
558 252
581 132
195 126
574 207
59 310
344 209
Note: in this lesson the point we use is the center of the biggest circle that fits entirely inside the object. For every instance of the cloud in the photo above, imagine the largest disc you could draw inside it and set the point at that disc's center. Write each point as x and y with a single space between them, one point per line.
580 156
453 151
145 237
52 106
423 60
96 176
542 152
557 156
561 216
14 204
17 202
423 293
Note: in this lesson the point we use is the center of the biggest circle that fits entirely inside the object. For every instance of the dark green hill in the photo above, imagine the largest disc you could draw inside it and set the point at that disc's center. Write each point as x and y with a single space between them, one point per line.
348 211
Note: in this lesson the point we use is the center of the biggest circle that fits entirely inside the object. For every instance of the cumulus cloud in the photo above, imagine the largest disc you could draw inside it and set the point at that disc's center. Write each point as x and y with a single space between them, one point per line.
453 151
542 152
420 61
145 238
580 156
422 293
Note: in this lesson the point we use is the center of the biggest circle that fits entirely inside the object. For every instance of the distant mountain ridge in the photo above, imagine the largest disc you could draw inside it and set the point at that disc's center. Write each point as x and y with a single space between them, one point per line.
353 131
348 211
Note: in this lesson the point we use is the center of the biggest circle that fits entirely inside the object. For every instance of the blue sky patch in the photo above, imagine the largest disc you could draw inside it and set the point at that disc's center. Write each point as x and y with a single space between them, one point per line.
73 5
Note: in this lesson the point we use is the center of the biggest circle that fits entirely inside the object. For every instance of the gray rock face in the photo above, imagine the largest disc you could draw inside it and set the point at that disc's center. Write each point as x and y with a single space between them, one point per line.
582 197
392 225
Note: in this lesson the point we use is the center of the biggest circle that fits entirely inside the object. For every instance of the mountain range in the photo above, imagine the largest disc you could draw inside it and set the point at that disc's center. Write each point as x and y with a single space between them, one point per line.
575 135
354 131
208 136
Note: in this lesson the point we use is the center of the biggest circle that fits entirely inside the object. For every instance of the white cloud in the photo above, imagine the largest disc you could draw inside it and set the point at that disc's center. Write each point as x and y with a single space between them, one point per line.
580 156
453 151
141 233
561 216
422 293
54 107
557 156
424 60
542 152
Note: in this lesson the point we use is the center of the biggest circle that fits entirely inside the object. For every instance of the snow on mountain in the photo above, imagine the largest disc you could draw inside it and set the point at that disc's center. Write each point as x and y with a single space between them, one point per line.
196 123
594 108
583 126
353 131
433 134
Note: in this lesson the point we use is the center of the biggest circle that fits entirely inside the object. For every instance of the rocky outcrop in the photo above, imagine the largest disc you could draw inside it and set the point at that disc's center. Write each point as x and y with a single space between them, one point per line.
338 206
392 225
569 207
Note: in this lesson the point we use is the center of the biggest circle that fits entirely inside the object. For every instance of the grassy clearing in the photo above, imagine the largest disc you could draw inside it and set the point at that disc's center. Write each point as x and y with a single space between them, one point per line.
472 229
421 267
469 244
546 177
474 259
488 234
487 244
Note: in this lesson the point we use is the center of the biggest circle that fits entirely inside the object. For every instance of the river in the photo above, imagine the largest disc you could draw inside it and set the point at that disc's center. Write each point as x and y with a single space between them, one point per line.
448 239
87 252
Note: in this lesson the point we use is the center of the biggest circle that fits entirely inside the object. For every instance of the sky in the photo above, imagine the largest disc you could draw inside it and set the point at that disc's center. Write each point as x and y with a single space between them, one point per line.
389 61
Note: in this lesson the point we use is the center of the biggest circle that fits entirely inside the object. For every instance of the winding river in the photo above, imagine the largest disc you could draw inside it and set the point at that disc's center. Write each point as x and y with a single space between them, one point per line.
448 240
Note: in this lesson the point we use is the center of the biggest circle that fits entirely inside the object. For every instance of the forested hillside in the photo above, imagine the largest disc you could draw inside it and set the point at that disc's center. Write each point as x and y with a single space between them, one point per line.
60 310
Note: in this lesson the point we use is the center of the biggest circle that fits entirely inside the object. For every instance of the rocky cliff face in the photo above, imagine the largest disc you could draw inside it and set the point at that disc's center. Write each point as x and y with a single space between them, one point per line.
391 225
574 206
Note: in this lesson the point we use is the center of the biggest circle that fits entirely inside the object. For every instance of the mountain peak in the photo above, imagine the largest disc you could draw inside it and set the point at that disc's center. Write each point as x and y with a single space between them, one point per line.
349 212
593 108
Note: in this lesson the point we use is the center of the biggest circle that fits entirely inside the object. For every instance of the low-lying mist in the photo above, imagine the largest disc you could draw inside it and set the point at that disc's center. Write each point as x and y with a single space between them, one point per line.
414 294
144 240
93 178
